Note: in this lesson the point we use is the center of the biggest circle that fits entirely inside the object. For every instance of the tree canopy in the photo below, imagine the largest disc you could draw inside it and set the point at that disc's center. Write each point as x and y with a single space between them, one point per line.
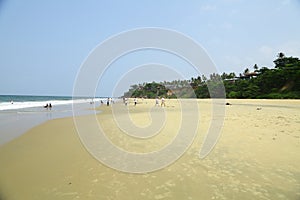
282 81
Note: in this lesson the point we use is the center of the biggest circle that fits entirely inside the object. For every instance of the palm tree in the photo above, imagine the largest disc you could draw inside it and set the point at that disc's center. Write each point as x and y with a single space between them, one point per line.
255 67
280 55
246 71
232 75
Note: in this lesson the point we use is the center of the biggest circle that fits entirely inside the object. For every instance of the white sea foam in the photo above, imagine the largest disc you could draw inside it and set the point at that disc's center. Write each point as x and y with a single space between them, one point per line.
32 104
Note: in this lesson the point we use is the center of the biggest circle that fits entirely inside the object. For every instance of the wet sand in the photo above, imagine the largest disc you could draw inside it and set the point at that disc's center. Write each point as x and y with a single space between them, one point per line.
256 157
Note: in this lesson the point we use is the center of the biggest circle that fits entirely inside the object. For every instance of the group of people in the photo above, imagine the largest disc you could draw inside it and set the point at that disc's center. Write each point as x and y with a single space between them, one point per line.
48 106
108 101
163 102
125 101
157 103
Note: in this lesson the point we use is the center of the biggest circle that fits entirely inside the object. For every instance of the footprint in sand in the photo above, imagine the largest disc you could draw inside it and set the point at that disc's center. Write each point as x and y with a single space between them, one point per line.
162 196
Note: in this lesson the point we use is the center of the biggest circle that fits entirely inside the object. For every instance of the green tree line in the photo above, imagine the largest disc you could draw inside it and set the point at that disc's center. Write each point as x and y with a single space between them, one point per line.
282 81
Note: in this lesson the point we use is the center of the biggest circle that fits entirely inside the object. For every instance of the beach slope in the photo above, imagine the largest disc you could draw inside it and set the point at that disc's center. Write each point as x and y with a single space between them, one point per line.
256 157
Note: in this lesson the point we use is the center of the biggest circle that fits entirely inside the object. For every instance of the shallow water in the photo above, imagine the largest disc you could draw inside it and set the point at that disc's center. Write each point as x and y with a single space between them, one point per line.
14 123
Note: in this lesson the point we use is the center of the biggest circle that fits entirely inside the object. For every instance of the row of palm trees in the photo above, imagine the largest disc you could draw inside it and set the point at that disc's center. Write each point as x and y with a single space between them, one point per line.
197 81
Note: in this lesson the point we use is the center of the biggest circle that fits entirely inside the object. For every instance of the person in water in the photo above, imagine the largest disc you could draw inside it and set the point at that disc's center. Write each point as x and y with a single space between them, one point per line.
48 106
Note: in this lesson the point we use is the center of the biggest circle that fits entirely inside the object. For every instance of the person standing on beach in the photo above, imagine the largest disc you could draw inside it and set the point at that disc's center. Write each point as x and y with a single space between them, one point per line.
156 101
126 101
135 101
107 102
163 103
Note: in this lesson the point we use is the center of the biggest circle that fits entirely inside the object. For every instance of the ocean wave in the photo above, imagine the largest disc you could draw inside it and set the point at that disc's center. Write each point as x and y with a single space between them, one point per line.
40 104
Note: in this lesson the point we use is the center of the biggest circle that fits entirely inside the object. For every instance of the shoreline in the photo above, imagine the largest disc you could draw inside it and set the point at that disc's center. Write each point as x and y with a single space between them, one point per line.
256 157
16 122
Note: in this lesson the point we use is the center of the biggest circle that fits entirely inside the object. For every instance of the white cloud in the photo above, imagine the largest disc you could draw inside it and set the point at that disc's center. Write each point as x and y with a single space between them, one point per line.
291 48
285 2
232 62
208 7
266 50
267 54
226 25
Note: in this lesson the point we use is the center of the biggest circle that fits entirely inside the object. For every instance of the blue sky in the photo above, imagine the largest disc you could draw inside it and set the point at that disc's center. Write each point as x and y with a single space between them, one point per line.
44 43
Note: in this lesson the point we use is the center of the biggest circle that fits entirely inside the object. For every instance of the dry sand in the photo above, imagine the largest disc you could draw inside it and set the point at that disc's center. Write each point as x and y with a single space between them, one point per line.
256 157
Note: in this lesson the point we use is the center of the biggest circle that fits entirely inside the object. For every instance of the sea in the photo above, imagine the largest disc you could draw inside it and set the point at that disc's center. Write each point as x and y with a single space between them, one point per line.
20 113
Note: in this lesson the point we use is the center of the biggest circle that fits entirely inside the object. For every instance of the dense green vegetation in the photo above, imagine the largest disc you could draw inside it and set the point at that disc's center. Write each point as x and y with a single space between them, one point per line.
282 81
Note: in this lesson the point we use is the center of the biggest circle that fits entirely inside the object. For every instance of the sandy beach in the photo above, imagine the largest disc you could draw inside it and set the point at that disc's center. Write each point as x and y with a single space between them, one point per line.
256 157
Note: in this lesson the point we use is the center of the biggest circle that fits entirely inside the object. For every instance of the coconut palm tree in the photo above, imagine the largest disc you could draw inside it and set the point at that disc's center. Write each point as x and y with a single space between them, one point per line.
255 67
280 55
